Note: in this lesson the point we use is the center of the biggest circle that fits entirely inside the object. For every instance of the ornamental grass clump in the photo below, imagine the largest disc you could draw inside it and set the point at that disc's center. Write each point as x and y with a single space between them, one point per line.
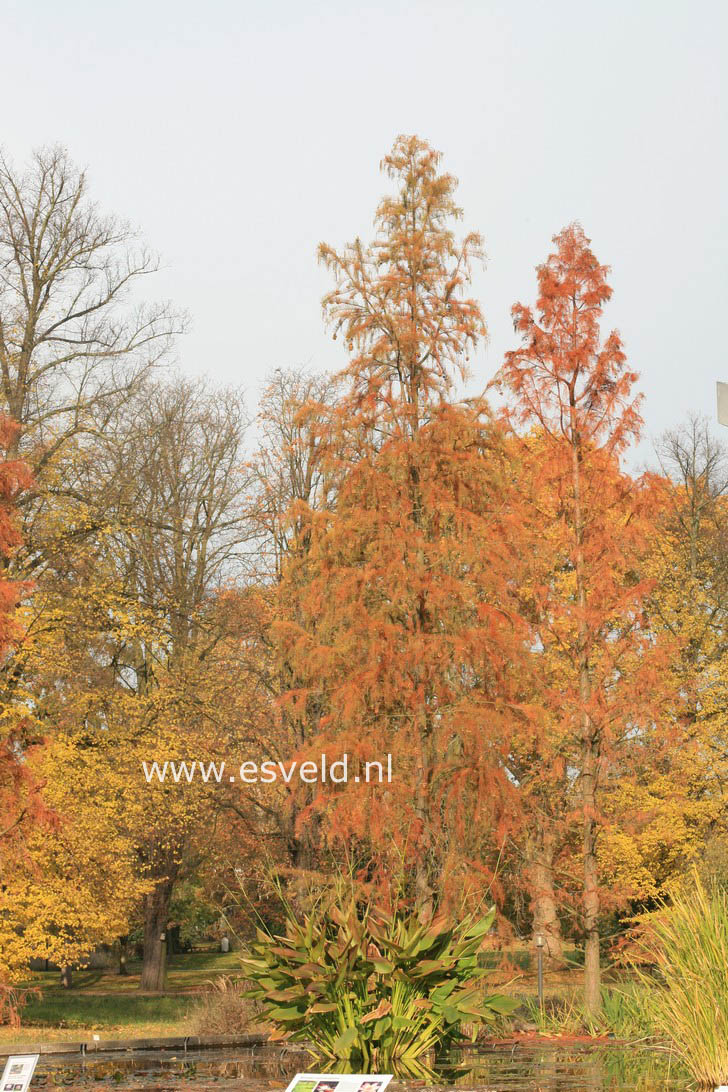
687 942
373 991
223 1009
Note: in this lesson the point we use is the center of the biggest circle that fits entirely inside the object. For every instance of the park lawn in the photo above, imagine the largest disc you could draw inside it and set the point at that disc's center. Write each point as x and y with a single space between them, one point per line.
189 972
110 1005
74 1016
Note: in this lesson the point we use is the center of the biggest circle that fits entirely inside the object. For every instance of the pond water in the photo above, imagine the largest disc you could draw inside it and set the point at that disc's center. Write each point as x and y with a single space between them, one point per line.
563 1068
533 1068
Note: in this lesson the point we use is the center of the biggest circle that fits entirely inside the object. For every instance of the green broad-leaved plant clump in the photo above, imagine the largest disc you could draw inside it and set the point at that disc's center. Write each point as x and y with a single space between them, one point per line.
371 990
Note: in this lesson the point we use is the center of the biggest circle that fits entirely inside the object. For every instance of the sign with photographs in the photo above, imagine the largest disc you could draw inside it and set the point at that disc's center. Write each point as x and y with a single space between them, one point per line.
18 1072
339 1082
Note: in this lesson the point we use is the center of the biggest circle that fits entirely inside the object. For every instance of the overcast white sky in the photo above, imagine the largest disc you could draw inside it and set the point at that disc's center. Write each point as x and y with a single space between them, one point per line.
237 135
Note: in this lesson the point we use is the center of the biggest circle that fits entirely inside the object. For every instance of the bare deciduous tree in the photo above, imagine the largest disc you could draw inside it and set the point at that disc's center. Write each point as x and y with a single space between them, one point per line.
287 466
72 339
698 463
170 485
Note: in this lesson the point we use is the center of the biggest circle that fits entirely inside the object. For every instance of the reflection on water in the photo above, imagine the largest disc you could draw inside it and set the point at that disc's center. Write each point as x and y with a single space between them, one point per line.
543 1068
264 1066
548 1068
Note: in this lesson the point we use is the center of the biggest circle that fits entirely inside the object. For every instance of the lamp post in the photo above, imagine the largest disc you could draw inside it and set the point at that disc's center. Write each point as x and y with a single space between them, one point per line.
539 942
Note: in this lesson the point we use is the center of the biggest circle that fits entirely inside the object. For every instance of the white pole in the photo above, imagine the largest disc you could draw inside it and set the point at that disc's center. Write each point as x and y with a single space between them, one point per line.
722 392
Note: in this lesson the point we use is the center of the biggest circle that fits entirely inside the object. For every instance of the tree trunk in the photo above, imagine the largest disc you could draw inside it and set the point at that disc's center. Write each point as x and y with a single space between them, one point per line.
424 894
590 748
592 969
424 859
303 843
123 941
67 977
540 871
156 913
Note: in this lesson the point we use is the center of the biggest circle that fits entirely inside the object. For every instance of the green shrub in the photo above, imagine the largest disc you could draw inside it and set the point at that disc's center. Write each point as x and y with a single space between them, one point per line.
371 990
686 940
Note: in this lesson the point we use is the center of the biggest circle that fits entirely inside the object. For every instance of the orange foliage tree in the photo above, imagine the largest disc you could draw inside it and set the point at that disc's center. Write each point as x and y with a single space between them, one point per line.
398 618
14 477
573 389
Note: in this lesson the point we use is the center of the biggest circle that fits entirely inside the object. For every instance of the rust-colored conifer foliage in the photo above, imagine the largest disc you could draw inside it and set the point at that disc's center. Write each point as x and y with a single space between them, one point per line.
398 619
400 303
574 391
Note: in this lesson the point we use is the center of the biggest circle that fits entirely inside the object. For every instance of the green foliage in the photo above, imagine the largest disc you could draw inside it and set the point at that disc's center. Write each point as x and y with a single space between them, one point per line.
194 913
686 940
623 1014
132 1013
373 990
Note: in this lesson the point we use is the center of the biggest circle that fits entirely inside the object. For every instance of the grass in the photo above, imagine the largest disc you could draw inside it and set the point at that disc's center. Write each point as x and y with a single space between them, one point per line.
563 985
687 942
106 1003
186 972
625 1014
138 1017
